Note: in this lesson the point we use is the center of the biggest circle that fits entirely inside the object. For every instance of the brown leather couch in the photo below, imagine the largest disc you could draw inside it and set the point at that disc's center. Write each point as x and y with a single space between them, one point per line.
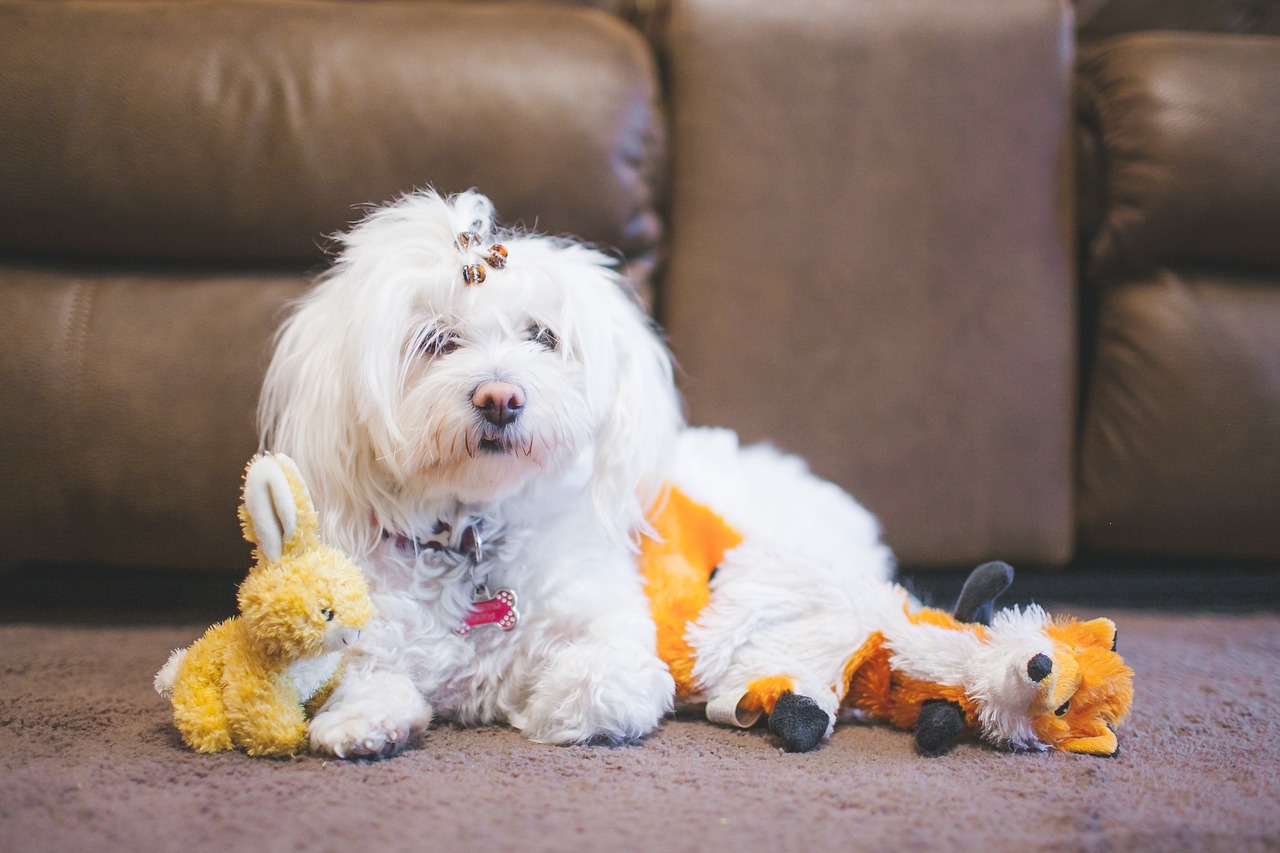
858 222
1180 188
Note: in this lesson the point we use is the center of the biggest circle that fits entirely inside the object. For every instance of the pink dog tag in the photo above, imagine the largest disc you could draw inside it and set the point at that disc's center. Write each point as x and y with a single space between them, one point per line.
499 610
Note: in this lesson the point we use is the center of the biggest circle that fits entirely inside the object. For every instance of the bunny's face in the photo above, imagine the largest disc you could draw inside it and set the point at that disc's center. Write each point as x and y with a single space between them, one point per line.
305 607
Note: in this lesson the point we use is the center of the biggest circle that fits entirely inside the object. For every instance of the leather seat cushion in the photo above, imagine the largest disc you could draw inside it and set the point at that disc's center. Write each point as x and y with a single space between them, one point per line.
1180 451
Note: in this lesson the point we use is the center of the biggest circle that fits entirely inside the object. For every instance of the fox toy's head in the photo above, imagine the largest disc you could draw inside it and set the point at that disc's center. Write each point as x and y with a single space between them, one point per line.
1085 688
1051 682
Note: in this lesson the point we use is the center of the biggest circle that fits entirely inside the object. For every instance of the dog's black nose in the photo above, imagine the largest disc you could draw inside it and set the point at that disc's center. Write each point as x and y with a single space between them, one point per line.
500 402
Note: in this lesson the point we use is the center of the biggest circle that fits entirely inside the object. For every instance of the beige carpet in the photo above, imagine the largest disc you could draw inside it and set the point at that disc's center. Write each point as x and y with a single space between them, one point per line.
89 761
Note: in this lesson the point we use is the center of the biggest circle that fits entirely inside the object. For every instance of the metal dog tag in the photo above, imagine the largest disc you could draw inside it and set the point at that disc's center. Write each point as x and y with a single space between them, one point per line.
498 609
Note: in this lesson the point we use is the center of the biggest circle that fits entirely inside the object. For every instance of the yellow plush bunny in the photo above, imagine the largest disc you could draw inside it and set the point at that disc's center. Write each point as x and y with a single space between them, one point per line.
252 681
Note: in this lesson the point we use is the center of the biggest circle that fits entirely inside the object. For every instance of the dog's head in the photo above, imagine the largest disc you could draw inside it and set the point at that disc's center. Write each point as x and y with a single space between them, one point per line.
444 360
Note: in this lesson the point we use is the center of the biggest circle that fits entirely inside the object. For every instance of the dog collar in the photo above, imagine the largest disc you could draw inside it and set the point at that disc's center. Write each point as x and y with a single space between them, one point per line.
469 547
498 608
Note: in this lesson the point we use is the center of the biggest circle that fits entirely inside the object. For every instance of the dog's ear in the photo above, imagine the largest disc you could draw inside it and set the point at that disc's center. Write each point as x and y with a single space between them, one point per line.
644 416
628 376
306 410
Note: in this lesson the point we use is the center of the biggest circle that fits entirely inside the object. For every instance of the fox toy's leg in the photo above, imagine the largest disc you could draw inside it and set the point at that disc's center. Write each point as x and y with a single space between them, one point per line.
795 717
938 726
781 624
798 722
789 665
940 722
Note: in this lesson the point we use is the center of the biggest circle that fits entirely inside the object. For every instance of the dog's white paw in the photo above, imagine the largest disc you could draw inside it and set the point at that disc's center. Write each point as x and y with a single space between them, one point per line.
350 733
584 697
374 719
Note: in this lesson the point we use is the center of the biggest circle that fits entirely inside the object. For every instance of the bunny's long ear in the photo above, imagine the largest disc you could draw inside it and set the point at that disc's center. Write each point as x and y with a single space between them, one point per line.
277 513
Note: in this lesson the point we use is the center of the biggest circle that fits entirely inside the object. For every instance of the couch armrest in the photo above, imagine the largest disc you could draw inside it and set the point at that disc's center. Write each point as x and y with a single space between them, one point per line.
870 256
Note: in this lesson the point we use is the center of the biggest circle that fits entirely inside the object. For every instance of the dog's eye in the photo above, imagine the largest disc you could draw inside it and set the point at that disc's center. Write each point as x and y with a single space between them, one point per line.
438 343
543 336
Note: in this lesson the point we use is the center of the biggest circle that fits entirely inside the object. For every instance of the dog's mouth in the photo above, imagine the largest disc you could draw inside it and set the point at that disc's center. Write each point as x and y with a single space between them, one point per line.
501 443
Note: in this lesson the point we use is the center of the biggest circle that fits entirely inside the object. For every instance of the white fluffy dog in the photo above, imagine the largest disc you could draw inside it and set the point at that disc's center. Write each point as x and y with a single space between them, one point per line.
483 418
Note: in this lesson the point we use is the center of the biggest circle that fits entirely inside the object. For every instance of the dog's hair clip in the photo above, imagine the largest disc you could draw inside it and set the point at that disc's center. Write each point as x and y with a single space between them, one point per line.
496 257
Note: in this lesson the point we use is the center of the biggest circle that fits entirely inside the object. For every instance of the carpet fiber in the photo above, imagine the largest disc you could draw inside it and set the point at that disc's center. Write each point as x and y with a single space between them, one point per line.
89 760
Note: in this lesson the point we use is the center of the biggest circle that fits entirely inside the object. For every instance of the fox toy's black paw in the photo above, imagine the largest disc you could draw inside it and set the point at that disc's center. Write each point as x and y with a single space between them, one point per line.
798 722
938 726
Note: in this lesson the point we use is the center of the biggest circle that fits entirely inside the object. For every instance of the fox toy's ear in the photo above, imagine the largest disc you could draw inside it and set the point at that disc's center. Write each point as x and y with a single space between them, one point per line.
1105 744
1101 632
981 589
1096 633
269 516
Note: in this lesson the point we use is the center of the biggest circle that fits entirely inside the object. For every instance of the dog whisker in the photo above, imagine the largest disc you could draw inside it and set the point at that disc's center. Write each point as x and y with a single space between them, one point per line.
395 451
437 440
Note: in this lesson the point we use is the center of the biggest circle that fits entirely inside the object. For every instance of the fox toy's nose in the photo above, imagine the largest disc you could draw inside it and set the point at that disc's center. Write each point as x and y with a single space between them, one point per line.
500 402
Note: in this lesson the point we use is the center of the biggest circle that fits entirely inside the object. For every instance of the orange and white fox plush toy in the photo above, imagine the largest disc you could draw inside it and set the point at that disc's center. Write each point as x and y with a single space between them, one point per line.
772 596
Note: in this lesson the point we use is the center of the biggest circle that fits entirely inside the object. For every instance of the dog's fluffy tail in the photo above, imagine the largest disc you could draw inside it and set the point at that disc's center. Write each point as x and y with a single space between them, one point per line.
168 674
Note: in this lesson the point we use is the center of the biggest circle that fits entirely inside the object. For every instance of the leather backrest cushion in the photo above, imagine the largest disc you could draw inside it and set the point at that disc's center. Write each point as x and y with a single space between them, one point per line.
1101 18
241 131
1188 130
